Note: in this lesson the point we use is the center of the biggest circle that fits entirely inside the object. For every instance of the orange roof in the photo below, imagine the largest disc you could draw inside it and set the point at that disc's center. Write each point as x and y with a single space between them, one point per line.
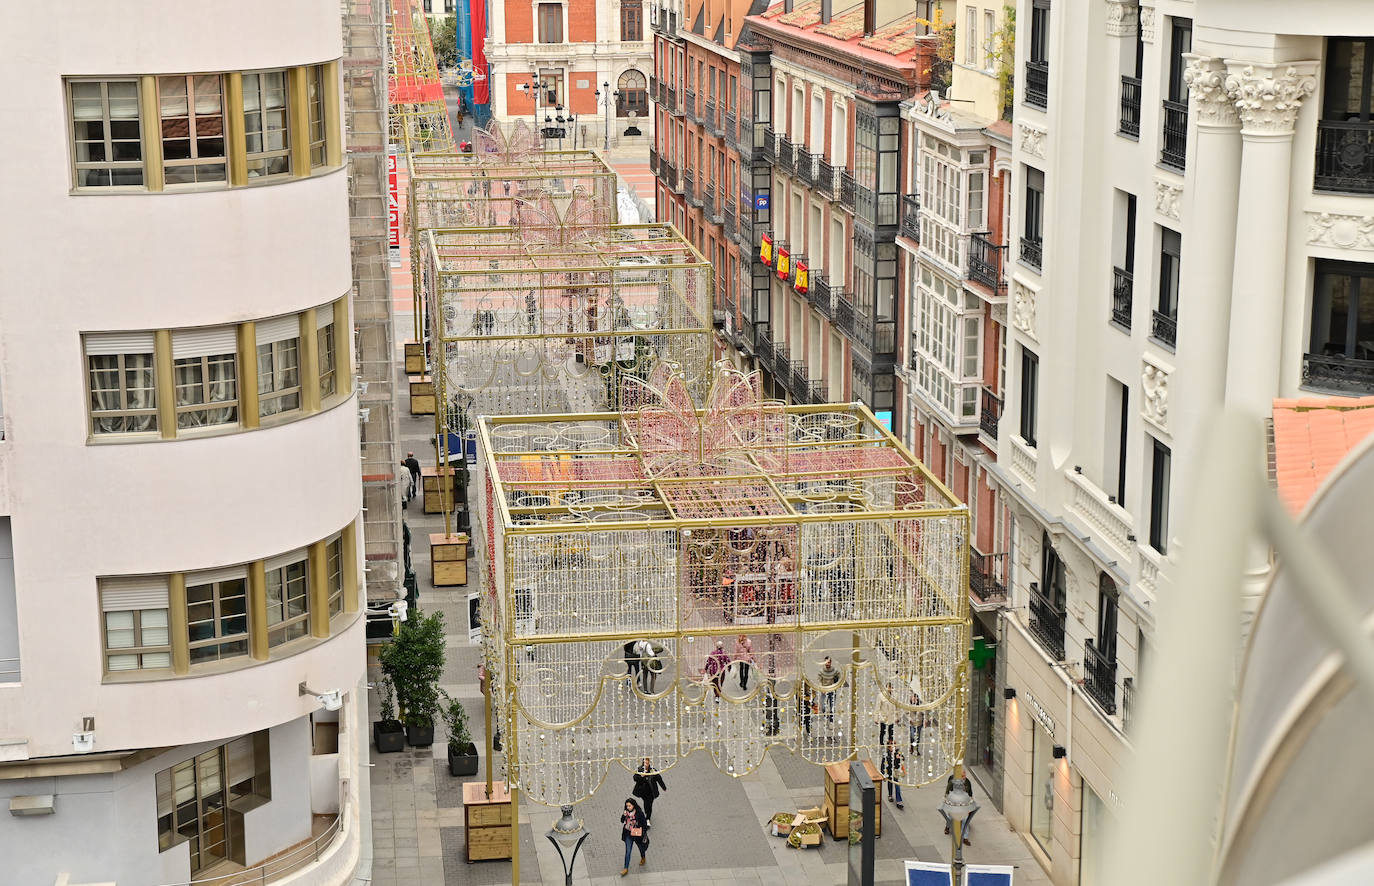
1311 437
897 38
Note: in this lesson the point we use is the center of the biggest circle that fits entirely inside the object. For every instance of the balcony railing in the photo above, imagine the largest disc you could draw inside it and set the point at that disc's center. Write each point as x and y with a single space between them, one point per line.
911 217
668 172
653 160
709 193
689 182
1099 677
990 414
769 151
1338 373
1175 148
1046 623
1164 328
825 177
672 104
878 337
987 577
800 380
1130 107
661 93
787 157
985 263
763 344
1038 84
1345 156
689 101
731 128
729 220
731 319
710 118
1127 703
844 313
806 168
1032 252
847 189
817 391
288 863
1122 284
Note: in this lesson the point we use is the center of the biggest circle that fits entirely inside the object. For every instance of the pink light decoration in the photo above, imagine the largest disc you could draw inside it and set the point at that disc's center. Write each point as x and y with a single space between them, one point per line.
493 145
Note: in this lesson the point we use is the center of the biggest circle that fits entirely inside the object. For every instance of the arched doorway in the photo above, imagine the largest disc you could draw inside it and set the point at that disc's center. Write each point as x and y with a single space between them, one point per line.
632 98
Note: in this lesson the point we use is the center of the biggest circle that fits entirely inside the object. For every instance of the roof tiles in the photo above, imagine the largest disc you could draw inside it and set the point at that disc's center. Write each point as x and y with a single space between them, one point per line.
1311 437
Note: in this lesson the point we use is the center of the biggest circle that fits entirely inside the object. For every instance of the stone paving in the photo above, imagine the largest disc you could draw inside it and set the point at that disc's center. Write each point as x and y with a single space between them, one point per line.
708 828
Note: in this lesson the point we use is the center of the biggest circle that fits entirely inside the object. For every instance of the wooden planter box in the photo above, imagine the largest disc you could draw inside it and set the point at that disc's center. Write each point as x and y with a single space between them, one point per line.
421 395
837 799
415 358
487 821
430 479
448 558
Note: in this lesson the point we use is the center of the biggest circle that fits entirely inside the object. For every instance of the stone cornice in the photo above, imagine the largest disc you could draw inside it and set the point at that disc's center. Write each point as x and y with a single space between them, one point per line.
1206 78
1123 17
1268 97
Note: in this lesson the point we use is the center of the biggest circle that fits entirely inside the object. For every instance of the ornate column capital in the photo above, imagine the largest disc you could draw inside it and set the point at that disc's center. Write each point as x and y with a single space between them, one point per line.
1268 97
1206 78
1147 23
1123 16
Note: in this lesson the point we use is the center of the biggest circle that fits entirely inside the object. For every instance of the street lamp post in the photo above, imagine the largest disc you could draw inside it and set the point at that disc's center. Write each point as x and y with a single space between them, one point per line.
607 99
567 836
958 805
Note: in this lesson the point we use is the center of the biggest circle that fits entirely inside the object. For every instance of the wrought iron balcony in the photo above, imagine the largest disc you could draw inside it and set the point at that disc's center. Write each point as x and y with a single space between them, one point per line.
821 295
1175 148
731 319
653 160
817 391
731 128
806 168
744 139
987 577
911 217
865 202
825 177
985 263
1032 252
662 93
1122 284
844 313
668 172
1038 84
1164 328
770 147
1046 623
689 102
878 337
712 213
653 86
1127 703
763 344
787 156
729 220
1345 157
990 414
1099 678
847 189
672 103
711 118
1338 373
800 382
689 190
1130 107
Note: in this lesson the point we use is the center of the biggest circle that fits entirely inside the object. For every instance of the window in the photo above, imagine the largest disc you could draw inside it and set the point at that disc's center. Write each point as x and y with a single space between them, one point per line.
1042 786
631 21
217 615
107 134
288 599
1165 324
314 96
732 94
279 377
989 40
975 213
552 84
1030 384
1118 422
971 36
1174 149
1032 234
204 369
1107 607
550 23
1159 497
191 110
633 100
265 122
134 615
123 382
839 136
192 797
324 349
1038 64
1346 128
1341 356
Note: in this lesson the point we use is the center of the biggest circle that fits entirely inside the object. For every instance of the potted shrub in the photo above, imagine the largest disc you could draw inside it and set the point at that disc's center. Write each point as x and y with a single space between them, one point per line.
462 753
414 661
387 733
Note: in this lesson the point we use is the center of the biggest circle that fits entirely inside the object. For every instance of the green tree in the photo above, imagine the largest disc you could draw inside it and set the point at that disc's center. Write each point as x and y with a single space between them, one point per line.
444 36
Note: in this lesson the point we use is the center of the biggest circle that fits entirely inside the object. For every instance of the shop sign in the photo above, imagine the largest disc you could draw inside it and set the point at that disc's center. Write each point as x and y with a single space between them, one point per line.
1038 711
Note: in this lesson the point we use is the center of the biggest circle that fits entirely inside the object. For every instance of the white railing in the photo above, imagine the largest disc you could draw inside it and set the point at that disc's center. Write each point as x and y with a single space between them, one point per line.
1112 522
1148 570
284 865
1022 460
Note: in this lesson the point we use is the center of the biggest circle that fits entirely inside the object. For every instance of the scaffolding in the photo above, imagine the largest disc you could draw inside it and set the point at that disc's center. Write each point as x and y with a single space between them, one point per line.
732 577
365 106
419 119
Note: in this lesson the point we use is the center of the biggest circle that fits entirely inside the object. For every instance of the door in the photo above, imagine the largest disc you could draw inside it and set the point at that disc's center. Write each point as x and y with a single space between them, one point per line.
201 816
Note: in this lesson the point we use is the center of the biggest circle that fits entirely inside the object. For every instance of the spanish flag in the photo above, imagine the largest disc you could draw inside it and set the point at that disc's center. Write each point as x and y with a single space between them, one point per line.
803 279
784 263
766 250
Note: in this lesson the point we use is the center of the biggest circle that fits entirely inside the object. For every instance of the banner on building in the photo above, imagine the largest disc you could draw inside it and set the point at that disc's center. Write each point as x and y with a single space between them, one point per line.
803 281
784 263
393 212
766 250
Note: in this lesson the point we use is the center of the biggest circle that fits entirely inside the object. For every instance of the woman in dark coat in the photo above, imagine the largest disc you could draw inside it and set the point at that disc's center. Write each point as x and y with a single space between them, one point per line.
648 783
632 832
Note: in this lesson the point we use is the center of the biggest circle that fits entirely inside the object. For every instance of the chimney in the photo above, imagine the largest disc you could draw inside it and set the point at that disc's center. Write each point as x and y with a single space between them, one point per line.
870 17
926 46
825 12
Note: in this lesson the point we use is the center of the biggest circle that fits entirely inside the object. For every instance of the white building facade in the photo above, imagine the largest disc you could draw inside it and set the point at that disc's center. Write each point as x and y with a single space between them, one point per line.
1190 231
180 542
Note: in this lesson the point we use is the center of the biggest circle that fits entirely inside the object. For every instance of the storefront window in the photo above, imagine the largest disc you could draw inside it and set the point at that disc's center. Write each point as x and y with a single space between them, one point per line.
1042 787
1094 833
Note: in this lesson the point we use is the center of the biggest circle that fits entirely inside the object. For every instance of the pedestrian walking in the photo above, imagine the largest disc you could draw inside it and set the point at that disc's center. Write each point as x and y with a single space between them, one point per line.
885 715
649 666
892 768
744 654
648 784
632 832
716 663
966 784
830 676
412 464
632 660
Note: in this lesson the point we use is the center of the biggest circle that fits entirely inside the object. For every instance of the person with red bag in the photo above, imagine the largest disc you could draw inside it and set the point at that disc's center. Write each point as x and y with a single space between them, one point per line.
632 832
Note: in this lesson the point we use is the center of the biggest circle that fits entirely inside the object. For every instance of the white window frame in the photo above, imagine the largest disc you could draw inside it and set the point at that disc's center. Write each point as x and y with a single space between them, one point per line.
143 600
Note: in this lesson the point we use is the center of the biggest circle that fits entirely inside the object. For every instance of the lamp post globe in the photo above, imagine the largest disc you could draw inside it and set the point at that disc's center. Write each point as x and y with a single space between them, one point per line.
958 805
567 836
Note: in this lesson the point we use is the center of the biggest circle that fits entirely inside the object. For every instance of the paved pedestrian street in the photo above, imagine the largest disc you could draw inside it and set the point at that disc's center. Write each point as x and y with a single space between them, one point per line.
708 828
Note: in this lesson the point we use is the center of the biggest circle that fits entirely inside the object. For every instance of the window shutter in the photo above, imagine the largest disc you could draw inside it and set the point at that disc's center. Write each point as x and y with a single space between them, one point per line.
210 576
135 592
204 342
119 343
324 316
278 329
286 559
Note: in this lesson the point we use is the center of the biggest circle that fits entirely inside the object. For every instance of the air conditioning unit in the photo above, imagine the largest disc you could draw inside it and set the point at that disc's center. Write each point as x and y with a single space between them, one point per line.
35 804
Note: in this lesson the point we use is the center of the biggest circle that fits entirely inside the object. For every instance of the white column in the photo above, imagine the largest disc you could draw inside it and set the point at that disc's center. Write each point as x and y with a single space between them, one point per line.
1212 192
1268 98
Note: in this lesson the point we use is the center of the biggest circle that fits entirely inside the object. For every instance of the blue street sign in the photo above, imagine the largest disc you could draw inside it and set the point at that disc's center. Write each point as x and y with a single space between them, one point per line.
761 201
